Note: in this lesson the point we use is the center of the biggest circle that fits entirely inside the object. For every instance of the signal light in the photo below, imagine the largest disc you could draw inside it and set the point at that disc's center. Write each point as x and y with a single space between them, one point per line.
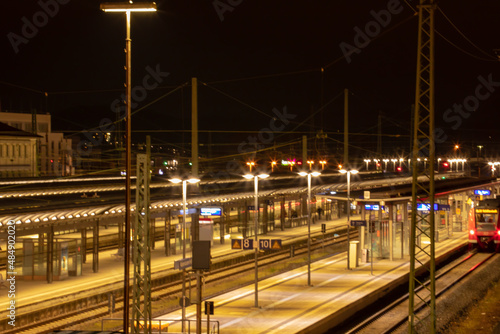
399 169
445 164
471 232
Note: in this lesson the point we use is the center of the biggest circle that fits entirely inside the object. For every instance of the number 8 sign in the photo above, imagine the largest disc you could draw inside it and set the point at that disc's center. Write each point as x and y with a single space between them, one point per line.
247 243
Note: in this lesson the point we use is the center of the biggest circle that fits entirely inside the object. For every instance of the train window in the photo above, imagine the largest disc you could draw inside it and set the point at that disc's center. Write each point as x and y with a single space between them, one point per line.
486 222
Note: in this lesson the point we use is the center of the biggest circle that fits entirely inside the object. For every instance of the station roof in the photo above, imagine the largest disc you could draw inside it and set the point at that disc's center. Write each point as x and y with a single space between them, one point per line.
105 211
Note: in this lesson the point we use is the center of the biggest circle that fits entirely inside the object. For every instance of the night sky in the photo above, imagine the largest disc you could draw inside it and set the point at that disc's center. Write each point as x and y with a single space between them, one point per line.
253 57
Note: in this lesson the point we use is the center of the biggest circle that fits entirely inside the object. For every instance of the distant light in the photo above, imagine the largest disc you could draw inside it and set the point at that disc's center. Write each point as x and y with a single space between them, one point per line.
128 7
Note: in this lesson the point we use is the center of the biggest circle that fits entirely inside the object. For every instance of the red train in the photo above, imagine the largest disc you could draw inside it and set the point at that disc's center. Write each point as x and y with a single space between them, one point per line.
484 225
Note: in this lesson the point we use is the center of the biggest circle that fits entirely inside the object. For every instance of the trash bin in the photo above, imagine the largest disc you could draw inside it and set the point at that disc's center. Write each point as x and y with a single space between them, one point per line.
365 256
353 254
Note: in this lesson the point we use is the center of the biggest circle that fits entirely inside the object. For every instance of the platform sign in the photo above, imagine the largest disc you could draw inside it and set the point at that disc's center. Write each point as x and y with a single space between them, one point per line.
209 308
358 223
210 211
241 243
264 244
275 243
372 207
247 243
183 264
236 243
426 207
482 192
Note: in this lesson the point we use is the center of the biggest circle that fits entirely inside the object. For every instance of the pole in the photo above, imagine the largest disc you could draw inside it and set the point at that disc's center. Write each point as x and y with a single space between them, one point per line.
194 126
256 220
348 214
304 150
309 229
128 170
371 242
198 303
208 320
184 189
346 128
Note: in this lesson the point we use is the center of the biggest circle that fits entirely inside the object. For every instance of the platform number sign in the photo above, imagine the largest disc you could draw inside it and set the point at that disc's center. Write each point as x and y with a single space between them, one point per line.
241 243
264 244
247 243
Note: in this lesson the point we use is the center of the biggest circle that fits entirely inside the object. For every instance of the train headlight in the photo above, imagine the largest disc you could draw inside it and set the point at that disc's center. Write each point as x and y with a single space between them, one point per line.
471 232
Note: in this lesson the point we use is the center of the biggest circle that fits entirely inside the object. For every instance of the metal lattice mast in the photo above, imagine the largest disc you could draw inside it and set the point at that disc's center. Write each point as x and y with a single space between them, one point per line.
141 310
422 222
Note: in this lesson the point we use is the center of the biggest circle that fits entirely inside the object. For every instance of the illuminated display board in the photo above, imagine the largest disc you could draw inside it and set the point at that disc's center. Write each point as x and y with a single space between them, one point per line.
211 211
437 207
486 211
484 192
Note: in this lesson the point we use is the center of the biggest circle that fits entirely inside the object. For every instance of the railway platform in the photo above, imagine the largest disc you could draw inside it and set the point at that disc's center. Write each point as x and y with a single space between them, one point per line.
286 303
111 268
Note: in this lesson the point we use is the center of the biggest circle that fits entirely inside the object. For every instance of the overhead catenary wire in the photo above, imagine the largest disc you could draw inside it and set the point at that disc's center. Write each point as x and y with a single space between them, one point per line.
493 57
237 100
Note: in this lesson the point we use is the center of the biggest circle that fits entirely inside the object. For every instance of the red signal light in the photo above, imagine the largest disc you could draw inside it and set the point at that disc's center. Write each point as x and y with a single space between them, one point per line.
445 164
399 169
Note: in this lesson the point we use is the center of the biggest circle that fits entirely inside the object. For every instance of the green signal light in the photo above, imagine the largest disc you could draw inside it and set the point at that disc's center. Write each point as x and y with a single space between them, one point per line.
165 163
443 177
190 164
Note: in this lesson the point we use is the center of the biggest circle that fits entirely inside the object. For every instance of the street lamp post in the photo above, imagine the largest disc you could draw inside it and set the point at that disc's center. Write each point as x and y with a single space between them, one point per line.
348 172
184 209
127 8
256 221
367 162
309 222
323 163
385 163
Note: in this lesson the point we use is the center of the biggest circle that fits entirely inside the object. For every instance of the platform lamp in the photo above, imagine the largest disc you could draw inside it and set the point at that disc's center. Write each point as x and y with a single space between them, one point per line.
127 8
256 178
348 172
315 174
184 209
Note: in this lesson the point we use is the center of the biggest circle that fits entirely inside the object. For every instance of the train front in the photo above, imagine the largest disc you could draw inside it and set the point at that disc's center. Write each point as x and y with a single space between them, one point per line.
484 225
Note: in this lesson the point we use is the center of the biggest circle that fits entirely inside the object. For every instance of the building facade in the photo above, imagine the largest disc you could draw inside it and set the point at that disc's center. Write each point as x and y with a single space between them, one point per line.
18 156
54 151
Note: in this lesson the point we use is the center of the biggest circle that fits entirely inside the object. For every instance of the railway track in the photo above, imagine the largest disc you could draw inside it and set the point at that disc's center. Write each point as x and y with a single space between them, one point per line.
49 319
394 317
